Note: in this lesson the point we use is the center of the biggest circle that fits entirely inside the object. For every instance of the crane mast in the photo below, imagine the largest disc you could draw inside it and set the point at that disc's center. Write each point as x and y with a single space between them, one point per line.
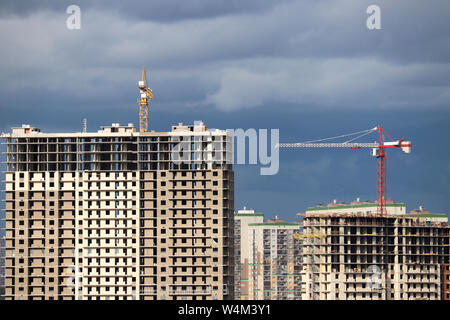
145 96
381 173
378 151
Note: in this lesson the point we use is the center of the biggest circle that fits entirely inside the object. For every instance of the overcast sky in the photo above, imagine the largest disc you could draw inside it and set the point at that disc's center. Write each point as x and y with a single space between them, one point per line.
309 68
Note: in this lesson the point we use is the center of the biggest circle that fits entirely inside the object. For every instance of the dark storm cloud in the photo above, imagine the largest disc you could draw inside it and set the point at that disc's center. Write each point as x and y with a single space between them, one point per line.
236 56
156 10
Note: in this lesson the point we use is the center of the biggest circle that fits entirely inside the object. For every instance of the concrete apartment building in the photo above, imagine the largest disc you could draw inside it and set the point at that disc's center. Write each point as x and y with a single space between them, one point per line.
268 258
2 261
118 214
351 253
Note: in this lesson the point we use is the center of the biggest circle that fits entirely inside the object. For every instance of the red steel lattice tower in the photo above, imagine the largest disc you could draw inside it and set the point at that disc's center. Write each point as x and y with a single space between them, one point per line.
381 174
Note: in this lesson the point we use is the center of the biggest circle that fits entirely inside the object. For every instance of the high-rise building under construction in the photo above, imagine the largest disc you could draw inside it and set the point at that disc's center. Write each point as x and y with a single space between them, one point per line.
352 253
2 262
119 214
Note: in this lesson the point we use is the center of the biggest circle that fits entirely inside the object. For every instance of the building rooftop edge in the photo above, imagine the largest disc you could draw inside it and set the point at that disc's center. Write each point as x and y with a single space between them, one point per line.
375 215
355 206
274 224
125 130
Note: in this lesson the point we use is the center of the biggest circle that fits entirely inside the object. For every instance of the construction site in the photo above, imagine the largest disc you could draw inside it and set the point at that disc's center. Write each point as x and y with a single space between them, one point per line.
114 210
352 253
127 214
372 251
113 214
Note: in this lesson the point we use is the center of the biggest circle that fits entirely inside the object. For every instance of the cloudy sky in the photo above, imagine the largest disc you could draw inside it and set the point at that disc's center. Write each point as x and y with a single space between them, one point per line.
309 68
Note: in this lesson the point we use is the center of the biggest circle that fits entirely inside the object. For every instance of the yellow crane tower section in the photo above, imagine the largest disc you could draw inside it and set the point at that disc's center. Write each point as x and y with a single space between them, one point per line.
312 235
145 96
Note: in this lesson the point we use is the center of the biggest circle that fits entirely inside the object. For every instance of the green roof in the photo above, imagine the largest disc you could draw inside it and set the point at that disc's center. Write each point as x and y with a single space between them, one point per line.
427 215
268 224
345 206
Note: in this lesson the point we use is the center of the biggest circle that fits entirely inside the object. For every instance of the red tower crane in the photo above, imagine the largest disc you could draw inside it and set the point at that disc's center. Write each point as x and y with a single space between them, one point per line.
378 151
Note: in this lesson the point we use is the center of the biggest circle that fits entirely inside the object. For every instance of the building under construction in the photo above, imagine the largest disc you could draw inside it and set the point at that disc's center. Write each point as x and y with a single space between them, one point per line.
2 261
119 214
353 253
268 258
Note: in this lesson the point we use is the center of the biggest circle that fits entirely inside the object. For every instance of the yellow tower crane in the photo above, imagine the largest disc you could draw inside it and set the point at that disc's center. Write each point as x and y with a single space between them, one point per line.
146 95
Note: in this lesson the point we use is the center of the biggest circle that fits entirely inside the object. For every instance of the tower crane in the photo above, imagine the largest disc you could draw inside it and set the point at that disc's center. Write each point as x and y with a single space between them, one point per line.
145 95
378 151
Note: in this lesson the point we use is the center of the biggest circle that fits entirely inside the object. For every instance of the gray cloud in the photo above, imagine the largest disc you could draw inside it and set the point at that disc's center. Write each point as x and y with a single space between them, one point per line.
156 10
229 55
355 83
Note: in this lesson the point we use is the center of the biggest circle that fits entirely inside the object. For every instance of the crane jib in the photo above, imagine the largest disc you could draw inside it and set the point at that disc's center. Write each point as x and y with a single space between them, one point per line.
328 145
341 145
378 151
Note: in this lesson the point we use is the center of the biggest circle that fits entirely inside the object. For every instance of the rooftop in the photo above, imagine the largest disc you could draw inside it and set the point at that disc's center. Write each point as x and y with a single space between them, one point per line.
247 213
115 129
353 206
268 224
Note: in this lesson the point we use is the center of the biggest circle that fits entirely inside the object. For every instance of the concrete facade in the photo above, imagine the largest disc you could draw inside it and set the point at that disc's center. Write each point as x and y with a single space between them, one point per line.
113 214
2 261
445 281
351 253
